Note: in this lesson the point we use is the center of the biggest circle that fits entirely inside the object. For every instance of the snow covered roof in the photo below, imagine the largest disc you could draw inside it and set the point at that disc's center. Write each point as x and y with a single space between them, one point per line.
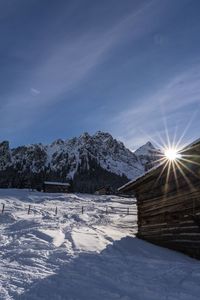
139 177
56 183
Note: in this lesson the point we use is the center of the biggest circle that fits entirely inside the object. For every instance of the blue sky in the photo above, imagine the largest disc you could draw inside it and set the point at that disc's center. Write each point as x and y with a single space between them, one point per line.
129 67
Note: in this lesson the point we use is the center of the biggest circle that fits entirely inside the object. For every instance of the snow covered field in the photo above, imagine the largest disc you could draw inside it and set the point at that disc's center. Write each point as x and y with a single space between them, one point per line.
89 256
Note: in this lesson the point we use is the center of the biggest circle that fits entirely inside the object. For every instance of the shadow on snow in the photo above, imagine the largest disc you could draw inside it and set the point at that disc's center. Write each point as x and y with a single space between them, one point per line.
127 269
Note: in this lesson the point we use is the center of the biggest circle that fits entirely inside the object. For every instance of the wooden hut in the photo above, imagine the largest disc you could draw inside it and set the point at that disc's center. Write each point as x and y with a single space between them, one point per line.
56 187
104 190
168 202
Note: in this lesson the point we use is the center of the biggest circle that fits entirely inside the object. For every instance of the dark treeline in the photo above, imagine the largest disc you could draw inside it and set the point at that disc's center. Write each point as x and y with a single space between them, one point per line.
87 179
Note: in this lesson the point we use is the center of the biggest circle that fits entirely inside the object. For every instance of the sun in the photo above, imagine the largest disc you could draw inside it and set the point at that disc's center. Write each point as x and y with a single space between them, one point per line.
172 154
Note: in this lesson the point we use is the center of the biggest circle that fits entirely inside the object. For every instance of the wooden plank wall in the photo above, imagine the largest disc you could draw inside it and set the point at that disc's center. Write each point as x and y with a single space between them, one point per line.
172 221
168 201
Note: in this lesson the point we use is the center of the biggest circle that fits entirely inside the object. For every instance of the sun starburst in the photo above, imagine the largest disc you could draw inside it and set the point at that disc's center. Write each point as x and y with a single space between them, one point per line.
174 159
172 154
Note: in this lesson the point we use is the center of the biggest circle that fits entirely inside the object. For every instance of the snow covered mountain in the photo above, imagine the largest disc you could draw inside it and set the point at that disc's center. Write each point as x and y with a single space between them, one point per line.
147 154
89 161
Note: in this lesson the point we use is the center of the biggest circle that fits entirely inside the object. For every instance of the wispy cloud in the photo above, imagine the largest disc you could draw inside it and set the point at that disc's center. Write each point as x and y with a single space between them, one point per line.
34 91
57 62
67 62
176 102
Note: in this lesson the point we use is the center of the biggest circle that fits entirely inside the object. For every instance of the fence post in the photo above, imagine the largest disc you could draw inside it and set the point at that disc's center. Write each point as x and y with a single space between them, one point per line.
3 206
56 211
29 209
82 209
128 211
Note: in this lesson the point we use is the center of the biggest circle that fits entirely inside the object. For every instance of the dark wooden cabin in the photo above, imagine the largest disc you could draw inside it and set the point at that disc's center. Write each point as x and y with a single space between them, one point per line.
105 190
168 203
55 187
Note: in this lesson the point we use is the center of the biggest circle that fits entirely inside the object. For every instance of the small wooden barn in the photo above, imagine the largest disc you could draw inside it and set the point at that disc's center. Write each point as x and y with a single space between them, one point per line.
104 190
56 187
168 202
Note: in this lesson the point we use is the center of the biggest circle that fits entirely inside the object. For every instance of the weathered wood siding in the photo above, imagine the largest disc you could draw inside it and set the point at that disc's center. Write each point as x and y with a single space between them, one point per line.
172 221
169 206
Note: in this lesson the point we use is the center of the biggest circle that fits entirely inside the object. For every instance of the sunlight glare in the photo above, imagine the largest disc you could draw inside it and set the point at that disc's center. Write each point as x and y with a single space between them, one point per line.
172 154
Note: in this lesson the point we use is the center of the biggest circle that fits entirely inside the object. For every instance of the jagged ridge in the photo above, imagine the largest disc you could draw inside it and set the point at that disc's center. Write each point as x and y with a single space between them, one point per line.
88 156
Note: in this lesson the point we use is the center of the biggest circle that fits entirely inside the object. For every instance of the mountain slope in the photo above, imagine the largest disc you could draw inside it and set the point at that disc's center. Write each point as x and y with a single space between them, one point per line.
88 161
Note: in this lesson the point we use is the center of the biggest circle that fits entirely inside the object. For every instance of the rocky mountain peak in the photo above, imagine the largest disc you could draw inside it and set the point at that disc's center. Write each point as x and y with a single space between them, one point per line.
87 160
58 142
146 149
4 145
102 135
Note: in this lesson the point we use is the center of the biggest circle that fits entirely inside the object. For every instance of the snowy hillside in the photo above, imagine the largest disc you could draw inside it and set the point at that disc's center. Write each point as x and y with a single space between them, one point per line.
96 160
94 255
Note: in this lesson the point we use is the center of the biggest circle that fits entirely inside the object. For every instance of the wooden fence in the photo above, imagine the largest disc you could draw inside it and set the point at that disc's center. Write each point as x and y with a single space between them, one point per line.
108 210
